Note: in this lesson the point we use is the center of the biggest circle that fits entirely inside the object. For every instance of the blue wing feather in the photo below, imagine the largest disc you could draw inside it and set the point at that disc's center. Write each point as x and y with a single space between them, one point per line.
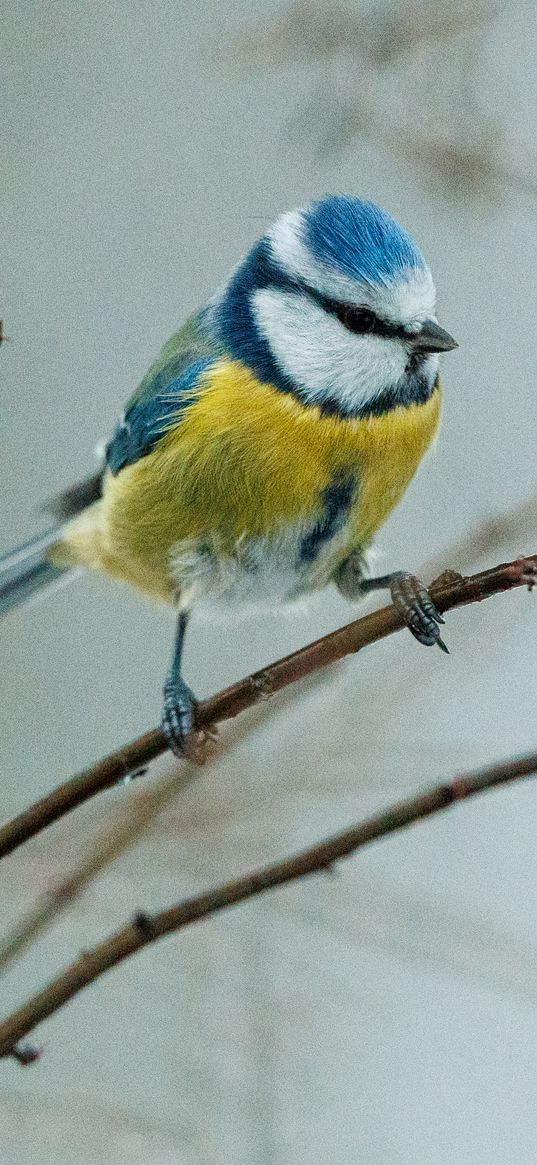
146 421
164 393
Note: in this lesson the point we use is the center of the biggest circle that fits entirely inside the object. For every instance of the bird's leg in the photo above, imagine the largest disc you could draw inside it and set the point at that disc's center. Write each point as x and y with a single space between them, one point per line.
413 601
179 711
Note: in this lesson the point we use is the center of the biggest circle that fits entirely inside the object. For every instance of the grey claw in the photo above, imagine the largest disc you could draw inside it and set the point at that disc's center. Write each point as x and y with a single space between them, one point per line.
438 618
423 637
428 606
178 723
414 603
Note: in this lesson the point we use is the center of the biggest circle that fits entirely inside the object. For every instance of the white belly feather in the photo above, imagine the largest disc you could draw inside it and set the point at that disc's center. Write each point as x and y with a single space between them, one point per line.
260 574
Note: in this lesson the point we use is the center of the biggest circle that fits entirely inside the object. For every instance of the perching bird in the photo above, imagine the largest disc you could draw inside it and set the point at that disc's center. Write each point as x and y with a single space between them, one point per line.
273 435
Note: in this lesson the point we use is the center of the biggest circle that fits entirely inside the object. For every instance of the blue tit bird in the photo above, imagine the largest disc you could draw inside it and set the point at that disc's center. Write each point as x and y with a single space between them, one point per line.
270 439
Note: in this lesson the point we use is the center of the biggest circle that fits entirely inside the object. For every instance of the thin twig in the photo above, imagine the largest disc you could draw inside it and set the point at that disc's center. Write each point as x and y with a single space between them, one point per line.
124 831
147 928
449 590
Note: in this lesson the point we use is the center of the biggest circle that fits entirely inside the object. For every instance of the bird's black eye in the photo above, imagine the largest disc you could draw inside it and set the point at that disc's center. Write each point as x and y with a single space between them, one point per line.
357 319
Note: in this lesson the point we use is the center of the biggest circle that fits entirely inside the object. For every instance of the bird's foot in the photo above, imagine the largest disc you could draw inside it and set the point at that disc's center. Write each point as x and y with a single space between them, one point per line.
413 601
179 723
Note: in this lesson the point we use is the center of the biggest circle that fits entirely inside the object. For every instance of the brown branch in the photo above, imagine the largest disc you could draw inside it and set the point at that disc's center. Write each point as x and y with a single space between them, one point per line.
125 829
148 928
449 590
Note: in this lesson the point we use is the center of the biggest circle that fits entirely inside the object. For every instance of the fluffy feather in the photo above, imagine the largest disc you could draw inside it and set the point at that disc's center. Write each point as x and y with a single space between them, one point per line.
246 468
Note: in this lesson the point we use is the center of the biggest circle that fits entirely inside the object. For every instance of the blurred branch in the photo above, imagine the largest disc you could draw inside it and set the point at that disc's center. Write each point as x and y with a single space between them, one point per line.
449 590
520 521
148 928
375 35
409 77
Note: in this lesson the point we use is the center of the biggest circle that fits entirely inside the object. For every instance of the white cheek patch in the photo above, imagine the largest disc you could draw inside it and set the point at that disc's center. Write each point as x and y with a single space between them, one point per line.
321 357
409 301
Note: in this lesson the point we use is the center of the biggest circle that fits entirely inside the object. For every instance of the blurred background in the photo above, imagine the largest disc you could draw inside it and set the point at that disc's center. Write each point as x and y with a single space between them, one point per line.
387 1013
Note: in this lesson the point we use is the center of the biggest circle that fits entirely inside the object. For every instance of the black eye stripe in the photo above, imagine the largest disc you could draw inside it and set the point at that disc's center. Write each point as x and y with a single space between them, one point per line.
362 320
357 319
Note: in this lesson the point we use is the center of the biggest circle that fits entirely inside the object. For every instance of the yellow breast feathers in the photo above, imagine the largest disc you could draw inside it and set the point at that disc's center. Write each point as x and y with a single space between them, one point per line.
243 461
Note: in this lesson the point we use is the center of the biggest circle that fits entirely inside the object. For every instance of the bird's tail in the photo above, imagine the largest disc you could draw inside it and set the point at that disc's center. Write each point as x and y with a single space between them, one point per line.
26 571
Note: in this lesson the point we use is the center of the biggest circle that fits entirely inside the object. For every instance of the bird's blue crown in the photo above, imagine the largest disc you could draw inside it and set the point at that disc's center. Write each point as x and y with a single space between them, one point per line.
359 239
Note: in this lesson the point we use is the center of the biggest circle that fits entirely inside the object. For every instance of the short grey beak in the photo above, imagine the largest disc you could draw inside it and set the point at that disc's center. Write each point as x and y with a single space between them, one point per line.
432 338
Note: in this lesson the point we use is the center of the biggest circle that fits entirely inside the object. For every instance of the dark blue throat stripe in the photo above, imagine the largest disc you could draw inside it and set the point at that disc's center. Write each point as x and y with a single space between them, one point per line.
337 500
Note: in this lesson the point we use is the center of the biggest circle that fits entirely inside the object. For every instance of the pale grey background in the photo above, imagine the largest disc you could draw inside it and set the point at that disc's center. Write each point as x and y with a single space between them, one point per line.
385 1015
